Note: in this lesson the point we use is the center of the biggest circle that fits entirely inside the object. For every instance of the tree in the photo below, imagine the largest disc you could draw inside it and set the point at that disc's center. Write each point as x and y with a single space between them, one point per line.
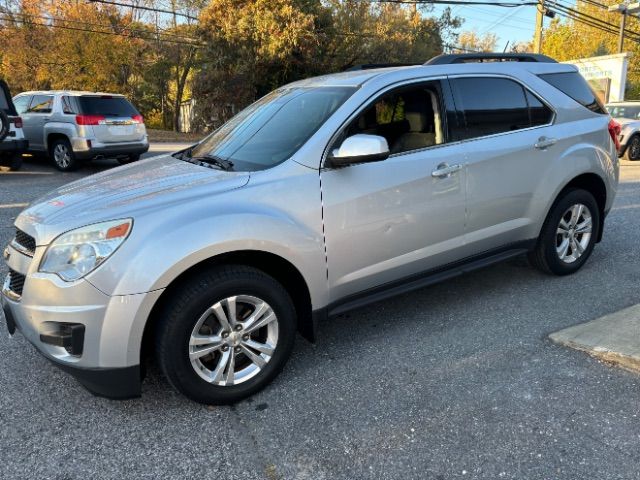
254 46
472 41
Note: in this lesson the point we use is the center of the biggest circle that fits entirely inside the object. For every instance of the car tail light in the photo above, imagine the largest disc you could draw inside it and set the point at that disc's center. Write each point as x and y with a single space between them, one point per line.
138 118
614 131
89 119
17 121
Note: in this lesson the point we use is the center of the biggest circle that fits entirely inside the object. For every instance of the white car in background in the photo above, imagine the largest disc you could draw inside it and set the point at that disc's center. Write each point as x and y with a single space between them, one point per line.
627 114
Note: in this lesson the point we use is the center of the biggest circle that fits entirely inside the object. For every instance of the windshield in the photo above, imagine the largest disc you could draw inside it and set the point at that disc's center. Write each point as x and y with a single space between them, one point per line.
624 111
272 129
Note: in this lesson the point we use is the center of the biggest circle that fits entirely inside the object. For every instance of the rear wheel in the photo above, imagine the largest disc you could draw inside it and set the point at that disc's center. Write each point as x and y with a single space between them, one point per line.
4 125
225 334
568 235
633 149
62 155
15 162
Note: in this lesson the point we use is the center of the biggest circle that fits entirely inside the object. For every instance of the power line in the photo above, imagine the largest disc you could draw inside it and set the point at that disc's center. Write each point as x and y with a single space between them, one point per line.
142 7
595 20
119 34
456 2
100 25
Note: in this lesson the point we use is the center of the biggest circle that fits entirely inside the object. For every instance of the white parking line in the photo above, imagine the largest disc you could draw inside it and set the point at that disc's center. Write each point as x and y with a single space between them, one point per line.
13 205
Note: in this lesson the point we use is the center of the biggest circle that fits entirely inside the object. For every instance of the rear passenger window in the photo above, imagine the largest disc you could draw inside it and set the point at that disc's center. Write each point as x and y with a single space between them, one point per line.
490 106
575 86
540 113
41 104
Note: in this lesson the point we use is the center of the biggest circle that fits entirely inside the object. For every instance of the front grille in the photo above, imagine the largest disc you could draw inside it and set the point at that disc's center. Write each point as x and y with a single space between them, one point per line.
26 241
16 282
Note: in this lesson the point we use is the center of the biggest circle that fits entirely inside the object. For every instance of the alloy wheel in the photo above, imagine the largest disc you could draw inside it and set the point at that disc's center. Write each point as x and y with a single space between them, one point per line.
233 340
634 149
61 156
574 233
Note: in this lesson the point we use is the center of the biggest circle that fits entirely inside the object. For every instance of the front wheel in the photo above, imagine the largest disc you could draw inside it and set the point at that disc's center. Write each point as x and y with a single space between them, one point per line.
225 334
568 235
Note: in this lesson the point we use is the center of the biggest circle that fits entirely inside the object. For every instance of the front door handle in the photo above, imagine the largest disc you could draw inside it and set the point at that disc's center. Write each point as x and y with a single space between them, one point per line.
444 170
544 142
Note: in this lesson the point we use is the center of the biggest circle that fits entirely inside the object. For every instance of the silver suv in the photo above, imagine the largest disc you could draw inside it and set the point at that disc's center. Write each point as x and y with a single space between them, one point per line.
323 196
74 126
627 114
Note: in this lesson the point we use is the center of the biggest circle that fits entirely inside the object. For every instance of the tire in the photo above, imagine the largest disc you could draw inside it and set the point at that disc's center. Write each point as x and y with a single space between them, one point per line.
62 155
633 149
4 125
191 314
129 159
558 238
15 163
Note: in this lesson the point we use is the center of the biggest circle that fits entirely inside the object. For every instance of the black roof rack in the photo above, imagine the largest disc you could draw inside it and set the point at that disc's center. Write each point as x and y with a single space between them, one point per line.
489 57
369 66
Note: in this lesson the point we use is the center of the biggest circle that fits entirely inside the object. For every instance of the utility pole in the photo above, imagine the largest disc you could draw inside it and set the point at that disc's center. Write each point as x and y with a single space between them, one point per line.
623 10
537 39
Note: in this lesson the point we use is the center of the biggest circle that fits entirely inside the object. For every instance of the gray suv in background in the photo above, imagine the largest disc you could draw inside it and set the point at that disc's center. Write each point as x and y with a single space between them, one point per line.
323 196
72 126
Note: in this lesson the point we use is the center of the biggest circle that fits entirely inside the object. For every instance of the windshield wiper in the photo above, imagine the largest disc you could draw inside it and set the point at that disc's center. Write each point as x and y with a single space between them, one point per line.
209 160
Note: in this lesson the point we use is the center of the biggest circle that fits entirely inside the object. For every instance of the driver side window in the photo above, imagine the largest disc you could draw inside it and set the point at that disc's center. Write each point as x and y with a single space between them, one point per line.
408 118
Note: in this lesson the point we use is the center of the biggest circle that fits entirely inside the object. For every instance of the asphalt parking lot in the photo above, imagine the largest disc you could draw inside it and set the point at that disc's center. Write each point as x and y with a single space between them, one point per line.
457 380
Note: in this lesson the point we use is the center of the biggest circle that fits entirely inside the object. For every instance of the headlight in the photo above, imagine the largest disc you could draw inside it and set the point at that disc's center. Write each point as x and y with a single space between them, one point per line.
76 253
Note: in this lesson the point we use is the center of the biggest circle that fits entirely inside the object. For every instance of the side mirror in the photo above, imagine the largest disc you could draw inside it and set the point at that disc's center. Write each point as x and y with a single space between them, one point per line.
360 148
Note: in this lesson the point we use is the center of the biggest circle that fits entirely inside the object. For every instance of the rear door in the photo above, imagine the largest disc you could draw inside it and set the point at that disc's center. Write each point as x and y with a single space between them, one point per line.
510 144
113 118
34 119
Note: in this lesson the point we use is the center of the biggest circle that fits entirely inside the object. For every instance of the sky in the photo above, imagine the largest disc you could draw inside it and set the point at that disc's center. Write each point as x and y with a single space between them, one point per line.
509 24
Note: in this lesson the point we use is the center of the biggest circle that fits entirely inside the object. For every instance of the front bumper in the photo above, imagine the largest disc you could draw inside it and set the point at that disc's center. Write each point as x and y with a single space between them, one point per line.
112 326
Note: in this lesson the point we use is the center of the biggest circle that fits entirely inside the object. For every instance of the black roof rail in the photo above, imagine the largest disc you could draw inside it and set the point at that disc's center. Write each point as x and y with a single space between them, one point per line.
489 57
369 66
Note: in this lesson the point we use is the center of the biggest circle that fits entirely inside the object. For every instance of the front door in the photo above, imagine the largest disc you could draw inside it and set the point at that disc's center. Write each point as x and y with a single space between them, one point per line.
388 220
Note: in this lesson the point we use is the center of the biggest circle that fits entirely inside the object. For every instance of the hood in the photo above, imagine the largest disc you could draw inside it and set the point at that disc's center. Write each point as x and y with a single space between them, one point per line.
152 184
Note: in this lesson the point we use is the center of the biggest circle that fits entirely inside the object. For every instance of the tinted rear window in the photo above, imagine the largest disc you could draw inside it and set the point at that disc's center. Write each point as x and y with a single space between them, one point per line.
107 106
575 86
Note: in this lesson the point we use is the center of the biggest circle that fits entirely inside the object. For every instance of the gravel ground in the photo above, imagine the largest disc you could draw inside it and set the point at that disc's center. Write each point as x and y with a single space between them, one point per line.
457 380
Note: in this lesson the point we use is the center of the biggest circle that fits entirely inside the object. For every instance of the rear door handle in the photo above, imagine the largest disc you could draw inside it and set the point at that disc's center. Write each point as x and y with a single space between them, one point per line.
544 142
444 170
